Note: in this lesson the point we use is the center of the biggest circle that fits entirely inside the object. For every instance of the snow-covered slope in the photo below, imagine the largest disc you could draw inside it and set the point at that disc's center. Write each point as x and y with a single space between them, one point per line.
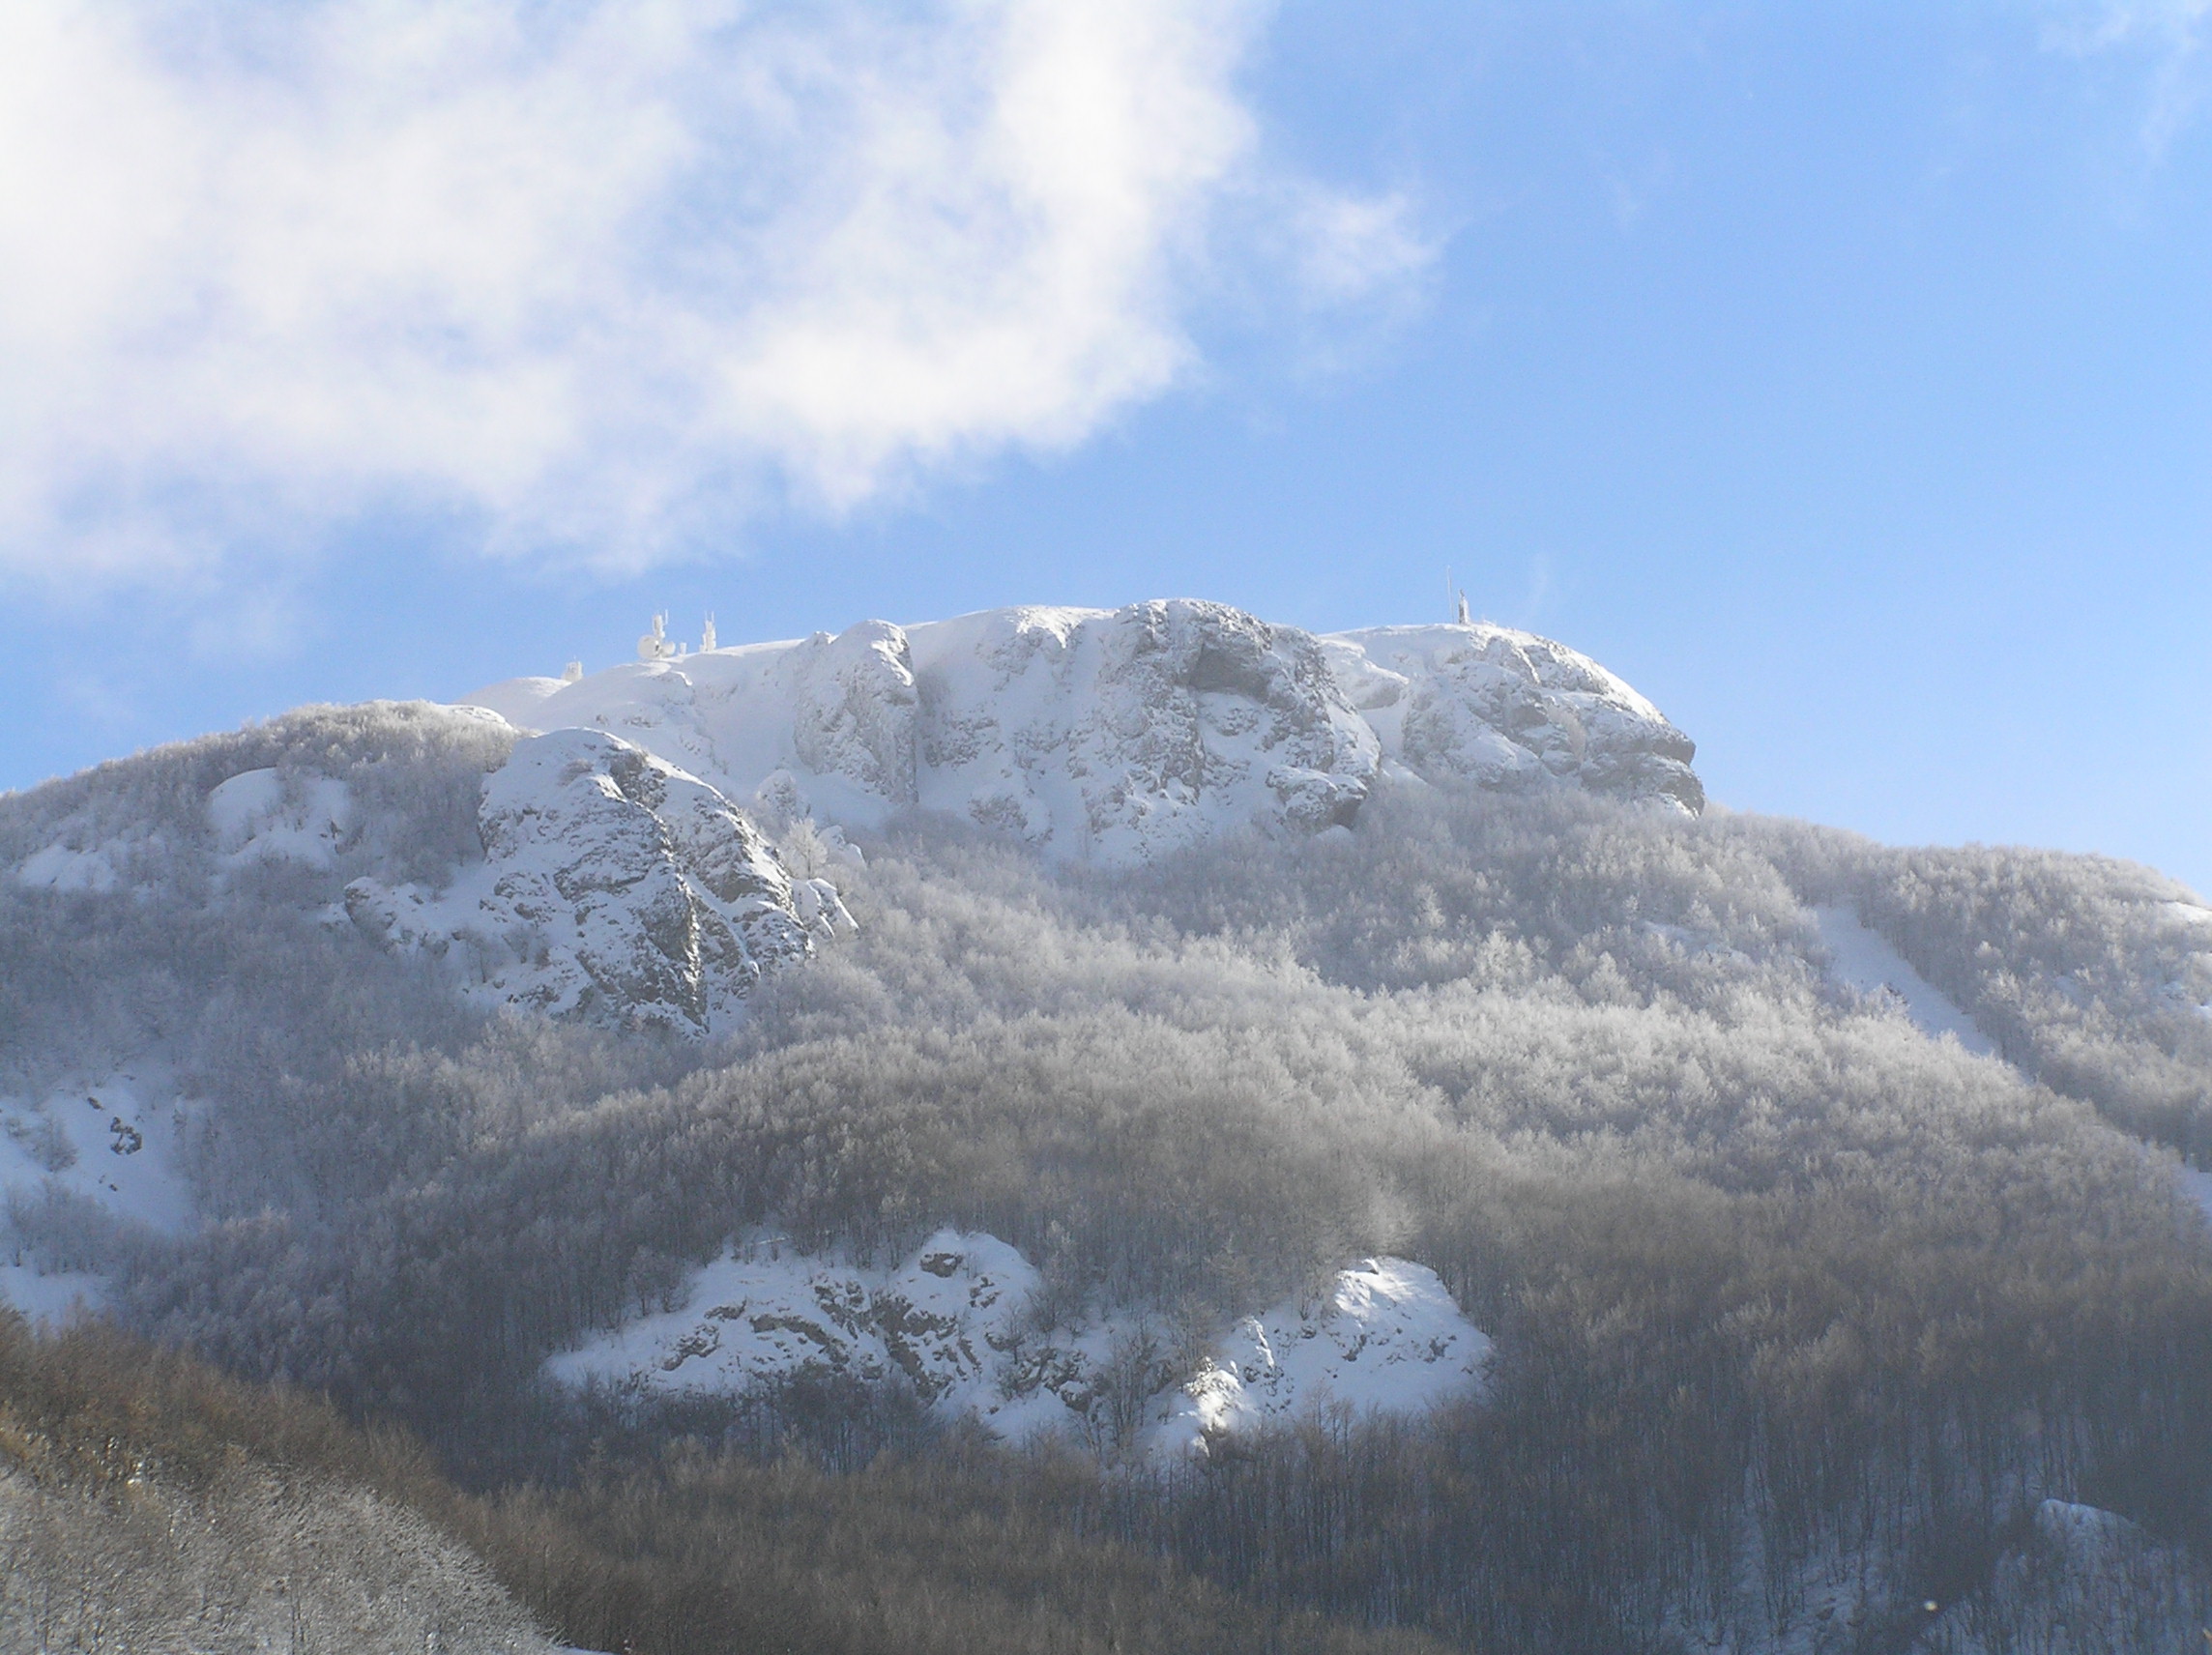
1862 959
113 1145
601 882
957 1321
610 883
1113 737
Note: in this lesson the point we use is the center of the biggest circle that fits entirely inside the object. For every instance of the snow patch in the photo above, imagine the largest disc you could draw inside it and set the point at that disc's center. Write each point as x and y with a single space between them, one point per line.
262 815
957 1321
1386 1339
116 1142
1862 959
2198 1187
63 868
50 1300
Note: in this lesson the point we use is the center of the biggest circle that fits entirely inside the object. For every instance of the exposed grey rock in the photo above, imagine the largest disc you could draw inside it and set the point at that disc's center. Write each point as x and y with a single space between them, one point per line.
614 886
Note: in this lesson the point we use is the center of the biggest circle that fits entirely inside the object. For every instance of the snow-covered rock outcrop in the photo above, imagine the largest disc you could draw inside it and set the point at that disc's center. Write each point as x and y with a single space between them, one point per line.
613 886
1385 1338
1113 737
1504 709
957 1321
764 1313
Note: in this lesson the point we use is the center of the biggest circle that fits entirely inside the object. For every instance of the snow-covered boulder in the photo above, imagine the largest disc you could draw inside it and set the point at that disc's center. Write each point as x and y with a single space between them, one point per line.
614 886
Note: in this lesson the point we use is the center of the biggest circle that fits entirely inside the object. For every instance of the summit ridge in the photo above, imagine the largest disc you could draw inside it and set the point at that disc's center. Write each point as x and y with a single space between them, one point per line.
1112 737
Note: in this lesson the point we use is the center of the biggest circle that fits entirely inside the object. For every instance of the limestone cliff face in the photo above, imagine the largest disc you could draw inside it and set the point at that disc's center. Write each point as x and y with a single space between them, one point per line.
1114 737
614 886
1504 709
855 708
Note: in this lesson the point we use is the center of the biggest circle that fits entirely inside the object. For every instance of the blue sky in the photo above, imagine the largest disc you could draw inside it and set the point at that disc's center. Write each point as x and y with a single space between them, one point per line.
1839 374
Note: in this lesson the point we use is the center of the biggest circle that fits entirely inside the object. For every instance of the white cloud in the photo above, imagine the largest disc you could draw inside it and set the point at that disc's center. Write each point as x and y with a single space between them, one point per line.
599 276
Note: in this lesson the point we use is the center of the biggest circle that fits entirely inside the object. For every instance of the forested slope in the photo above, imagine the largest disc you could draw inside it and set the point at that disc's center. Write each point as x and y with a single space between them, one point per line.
2092 975
1802 1320
148 1503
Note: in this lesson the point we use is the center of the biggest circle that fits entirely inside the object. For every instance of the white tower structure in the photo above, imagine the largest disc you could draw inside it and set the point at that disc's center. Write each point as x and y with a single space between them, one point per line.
573 673
654 646
1464 619
706 634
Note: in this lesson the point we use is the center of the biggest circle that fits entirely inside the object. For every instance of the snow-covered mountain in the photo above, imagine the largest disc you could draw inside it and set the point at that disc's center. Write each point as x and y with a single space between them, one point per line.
1115 737
291 1070
614 870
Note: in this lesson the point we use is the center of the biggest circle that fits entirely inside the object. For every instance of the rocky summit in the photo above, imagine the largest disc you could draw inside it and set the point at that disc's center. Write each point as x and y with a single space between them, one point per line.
1116 737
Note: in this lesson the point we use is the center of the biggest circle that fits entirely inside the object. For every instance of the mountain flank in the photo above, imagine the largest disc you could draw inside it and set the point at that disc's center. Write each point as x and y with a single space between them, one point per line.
932 1136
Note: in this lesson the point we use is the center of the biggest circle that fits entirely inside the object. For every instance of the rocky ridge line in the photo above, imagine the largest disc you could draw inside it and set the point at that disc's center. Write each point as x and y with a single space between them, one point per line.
1117 737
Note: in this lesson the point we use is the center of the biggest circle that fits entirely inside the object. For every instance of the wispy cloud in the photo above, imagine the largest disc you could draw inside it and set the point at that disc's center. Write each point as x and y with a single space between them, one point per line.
1349 247
2114 20
2174 33
597 277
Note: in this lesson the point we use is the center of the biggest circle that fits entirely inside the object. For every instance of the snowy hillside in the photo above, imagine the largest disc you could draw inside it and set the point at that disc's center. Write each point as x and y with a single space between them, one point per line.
1863 961
1113 737
598 880
1336 1110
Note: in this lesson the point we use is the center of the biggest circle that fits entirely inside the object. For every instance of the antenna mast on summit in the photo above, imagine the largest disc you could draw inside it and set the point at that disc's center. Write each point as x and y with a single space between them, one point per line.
656 645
